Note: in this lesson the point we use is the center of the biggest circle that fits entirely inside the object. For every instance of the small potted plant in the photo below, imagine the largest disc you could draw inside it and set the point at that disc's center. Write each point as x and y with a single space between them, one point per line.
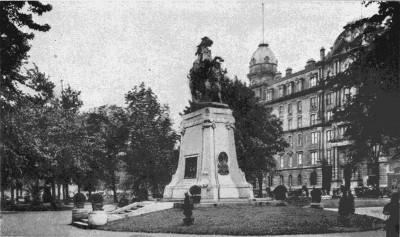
195 191
79 213
98 216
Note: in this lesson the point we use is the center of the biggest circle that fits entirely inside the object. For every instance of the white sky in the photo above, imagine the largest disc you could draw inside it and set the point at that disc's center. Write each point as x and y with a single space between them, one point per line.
104 49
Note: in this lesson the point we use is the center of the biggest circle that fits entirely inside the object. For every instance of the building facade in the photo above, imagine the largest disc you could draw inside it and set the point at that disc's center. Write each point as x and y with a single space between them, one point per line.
305 107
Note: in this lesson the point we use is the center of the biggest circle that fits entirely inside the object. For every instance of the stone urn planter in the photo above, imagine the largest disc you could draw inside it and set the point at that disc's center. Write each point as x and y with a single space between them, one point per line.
79 212
195 191
97 202
97 218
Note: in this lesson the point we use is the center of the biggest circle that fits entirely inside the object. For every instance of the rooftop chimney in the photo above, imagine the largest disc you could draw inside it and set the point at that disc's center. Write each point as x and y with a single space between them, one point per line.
288 71
310 62
322 53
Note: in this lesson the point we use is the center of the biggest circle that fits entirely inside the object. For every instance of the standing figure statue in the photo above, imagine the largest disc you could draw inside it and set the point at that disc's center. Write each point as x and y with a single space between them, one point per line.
206 75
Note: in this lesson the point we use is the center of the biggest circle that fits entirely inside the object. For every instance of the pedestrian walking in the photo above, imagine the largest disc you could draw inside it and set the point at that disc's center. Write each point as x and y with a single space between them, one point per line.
392 211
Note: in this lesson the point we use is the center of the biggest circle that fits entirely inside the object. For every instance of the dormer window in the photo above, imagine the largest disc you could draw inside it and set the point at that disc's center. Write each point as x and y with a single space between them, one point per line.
289 88
313 81
299 86
266 59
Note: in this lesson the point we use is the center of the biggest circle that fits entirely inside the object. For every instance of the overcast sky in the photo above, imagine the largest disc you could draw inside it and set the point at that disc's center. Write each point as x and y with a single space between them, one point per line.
104 49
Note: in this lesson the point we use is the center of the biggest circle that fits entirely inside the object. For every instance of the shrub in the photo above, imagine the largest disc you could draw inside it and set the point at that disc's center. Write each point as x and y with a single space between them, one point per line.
79 197
280 192
316 195
298 201
195 190
96 198
123 202
46 195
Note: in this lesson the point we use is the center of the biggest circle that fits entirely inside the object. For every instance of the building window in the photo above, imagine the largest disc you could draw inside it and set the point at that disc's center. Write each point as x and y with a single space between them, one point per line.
282 180
299 107
281 111
336 67
329 98
314 157
329 115
289 108
281 163
290 162
299 138
280 91
312 119
329 157
290 88
313 102
290 140
329 135
299 158
290 182
299 180
314 137
299 122
269 95
299 85
313 178
320 76
270 181
346 94
341 131
313 81
289 124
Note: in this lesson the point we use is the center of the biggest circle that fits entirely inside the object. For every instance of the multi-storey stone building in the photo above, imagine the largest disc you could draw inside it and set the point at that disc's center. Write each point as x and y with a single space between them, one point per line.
305 106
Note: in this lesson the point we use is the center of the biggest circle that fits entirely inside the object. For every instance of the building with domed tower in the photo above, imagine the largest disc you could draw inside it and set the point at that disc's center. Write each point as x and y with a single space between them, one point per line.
305 107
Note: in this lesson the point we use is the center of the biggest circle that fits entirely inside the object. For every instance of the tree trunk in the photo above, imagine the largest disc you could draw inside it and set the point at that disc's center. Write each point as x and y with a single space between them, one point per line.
12 192
347 177
79 188
58 191
114 188
63 191
66 194
53 189
260 184
377 171
2 192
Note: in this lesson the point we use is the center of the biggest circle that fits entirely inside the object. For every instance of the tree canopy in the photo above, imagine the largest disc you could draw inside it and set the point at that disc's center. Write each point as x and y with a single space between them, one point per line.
372 120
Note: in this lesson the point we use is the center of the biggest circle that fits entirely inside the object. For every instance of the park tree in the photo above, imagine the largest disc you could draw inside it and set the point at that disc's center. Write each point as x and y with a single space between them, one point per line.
151 159
372 121
16 151
107 125
14 44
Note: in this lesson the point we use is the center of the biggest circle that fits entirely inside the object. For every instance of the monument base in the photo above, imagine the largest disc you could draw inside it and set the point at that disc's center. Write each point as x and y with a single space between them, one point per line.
208 158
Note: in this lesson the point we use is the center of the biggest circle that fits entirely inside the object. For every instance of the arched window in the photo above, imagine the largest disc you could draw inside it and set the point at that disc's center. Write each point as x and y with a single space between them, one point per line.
282 181
313 178
290 182
299 180
266 59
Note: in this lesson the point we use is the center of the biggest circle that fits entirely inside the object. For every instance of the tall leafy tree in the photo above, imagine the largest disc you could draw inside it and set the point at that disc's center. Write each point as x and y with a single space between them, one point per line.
14 44
373 123
108 126
150 160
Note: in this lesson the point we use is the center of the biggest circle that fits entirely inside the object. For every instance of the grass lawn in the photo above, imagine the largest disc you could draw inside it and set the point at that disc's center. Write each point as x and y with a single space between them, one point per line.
245 220
358 202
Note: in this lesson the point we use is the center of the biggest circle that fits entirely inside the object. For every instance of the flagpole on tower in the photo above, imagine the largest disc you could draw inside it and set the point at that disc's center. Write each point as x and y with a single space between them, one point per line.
263 24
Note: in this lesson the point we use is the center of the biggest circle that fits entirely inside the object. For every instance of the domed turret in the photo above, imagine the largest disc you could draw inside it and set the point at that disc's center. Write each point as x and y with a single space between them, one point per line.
263 61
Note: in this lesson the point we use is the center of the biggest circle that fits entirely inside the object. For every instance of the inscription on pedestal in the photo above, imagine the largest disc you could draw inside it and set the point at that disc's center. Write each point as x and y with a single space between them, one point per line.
190 167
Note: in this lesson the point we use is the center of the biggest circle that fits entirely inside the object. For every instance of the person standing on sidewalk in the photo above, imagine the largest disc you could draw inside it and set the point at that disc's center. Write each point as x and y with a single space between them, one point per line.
392 209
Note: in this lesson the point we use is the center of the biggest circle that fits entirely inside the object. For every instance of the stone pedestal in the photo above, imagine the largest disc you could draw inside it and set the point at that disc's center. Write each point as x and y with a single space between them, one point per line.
208 159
